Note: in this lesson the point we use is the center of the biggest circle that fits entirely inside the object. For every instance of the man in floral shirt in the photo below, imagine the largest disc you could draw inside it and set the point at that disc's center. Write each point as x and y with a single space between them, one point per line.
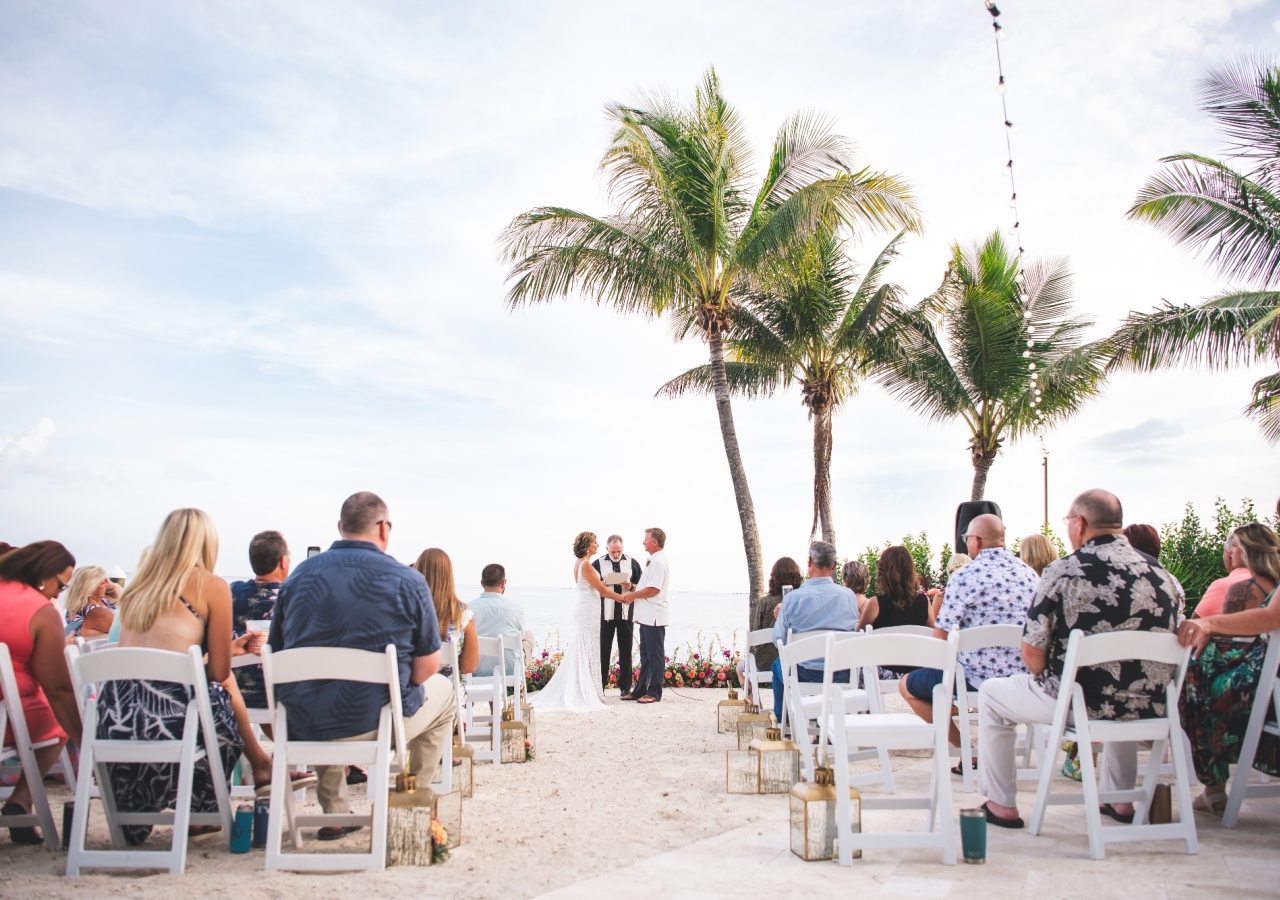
256 599
996 588
1104 586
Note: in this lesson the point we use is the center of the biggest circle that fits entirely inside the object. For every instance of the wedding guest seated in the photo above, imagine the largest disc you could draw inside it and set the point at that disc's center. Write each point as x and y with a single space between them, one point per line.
1037 551
1144 539
898 600
817 605
764 612
174 602
30 578
856 577
255 600
995 588
1215 595
90 602
354 595
497 614
1141 596
454 618
1222 680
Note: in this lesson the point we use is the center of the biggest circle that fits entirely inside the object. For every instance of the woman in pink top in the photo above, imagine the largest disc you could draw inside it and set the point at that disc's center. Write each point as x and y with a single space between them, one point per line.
30 579
1216 593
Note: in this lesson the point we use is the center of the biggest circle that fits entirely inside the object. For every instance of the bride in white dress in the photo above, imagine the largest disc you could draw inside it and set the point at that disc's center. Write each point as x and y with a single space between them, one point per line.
575 687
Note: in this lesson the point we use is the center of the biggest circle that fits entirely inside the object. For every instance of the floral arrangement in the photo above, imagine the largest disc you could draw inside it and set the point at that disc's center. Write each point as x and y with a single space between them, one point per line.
439 842
688 667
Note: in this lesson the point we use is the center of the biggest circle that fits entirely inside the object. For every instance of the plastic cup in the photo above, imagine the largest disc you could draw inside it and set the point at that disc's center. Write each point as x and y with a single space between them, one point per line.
973 835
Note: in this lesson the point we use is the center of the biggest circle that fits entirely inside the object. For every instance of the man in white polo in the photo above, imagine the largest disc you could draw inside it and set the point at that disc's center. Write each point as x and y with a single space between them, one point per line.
651 614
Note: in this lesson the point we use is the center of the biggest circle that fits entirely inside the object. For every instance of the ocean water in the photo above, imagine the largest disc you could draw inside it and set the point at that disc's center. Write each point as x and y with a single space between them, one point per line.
696 617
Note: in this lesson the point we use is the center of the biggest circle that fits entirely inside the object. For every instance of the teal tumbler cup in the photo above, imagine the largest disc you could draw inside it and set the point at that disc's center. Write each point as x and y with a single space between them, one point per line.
973 835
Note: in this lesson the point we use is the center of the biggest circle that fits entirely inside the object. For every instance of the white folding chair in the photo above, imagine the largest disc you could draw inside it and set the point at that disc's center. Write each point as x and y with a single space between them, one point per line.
12 717
136 663
1268 692
491 689
815 641
978 638
381 756
257 716
1100 649
893 731
754 679
513 668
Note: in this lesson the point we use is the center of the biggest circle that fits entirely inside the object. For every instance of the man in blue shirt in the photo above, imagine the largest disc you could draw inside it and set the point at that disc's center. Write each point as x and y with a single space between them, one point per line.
817 605
497 614
355 595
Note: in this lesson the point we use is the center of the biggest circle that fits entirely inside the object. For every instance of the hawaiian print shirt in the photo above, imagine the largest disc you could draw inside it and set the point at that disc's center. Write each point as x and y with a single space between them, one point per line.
252 600
1106 585
996 588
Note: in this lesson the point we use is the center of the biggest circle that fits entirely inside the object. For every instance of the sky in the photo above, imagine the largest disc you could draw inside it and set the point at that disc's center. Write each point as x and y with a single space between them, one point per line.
248 263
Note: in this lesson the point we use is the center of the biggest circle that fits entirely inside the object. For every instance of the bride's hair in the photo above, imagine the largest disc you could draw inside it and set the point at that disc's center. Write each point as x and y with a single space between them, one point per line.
581 543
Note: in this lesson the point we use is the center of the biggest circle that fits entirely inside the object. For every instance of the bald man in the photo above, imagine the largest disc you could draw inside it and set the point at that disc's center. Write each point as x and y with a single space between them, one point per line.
995 588
1104 586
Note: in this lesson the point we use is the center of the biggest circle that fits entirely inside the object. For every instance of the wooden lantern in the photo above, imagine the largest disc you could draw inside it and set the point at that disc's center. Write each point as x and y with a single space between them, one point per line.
409 815
465 772
741 772
727 712
813 815
777 762
751 725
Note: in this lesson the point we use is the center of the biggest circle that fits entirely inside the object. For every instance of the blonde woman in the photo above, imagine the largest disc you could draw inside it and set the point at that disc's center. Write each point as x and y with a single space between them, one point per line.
173 603
456 621
1036 551
91 603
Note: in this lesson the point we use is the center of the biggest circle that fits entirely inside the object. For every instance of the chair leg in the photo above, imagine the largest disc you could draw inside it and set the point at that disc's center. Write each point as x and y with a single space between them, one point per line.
942 800
108 796
1048 759
1089 780
80 816
182 803
886 770
1142 809
68 773
1182 784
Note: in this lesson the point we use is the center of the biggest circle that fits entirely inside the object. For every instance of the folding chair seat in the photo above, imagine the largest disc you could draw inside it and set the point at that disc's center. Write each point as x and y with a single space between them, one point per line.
892 731
382 756
199 741
1268 693
1165 731
22 750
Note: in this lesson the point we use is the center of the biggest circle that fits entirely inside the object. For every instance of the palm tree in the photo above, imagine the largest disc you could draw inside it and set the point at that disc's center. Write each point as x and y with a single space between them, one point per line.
977 351
689 228
807 320
1204 204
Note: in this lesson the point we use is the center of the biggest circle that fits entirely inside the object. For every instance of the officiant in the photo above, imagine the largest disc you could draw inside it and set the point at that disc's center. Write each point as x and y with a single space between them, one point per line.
620 572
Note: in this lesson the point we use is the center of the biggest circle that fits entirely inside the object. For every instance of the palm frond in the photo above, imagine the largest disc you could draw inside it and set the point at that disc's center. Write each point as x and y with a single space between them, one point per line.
1215 334
745 380
1243 97
1264 407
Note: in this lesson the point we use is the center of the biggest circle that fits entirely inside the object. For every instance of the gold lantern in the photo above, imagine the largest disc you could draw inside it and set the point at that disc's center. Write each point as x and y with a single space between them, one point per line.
464 773
752 724
514 734
813 815
777 762
526 716
409 815
741 772
727 712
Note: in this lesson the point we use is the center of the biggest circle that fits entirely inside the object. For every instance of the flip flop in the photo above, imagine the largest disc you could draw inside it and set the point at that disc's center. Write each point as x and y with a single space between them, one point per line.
336 832
957 771
1123 818
1212 802
20 835
1000 821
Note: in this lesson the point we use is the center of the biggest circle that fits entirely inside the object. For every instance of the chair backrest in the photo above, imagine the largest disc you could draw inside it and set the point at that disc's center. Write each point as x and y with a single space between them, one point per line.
922 630
133 663
448 654
761 636
803 647
983 636
489 646
12 705
340 664
881 649
1120 646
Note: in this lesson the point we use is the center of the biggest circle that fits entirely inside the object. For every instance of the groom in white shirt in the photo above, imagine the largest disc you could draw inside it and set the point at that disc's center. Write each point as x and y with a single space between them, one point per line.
651 614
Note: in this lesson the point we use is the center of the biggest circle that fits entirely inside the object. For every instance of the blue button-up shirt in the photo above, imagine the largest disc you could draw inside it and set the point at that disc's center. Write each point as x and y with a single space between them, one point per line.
817 605
353 595
495 615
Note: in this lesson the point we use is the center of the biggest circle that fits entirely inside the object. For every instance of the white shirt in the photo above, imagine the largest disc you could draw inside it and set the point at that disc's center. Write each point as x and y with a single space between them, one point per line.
654 611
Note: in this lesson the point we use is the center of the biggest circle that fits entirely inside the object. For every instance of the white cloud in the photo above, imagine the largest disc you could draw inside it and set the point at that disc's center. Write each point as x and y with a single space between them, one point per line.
25 453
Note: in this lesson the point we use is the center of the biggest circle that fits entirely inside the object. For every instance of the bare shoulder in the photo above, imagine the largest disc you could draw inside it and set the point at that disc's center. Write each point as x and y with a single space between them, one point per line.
1242 595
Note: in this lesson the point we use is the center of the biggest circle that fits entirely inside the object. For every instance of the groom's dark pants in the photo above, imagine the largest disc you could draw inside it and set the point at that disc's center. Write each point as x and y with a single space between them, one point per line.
653 661
608 627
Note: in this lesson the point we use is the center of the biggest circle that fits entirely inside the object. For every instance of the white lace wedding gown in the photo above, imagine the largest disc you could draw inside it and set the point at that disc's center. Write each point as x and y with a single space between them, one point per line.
575 687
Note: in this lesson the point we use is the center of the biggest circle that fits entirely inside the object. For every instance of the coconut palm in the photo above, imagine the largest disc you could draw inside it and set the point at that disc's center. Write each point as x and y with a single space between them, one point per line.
1205 204
976 351
689 228
807 320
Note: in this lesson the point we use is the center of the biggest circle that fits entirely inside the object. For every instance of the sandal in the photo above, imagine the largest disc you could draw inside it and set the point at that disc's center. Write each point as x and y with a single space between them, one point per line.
1123 818
646 699
297 781
336 832
26 835
1000 821
958 770
1212 802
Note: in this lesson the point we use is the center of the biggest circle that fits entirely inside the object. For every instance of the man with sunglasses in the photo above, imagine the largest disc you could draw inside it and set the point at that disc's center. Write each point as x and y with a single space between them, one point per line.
357 596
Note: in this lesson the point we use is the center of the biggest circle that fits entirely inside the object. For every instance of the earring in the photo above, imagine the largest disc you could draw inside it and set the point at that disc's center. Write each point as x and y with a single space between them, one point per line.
41 588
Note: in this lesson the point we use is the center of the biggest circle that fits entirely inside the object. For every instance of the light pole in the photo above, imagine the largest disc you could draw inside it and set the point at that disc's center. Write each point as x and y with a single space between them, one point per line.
1044 451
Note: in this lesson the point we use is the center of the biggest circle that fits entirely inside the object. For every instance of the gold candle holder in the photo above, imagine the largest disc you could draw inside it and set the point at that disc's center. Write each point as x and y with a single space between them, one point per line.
464 774
777 762
752 725
514 734
741 772
728 711
813 815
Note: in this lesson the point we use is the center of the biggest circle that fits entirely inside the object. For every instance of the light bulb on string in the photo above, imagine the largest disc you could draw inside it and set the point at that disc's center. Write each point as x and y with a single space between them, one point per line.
1026 354
1031 366
999 31
1031 343
1000 86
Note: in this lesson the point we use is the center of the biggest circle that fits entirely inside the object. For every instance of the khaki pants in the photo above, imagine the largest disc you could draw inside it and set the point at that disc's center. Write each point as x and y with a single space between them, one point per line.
1002 704
427 732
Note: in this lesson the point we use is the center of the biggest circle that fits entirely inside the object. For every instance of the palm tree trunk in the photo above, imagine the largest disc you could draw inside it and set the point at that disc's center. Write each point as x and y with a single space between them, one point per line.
982 460
738 474
822 475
